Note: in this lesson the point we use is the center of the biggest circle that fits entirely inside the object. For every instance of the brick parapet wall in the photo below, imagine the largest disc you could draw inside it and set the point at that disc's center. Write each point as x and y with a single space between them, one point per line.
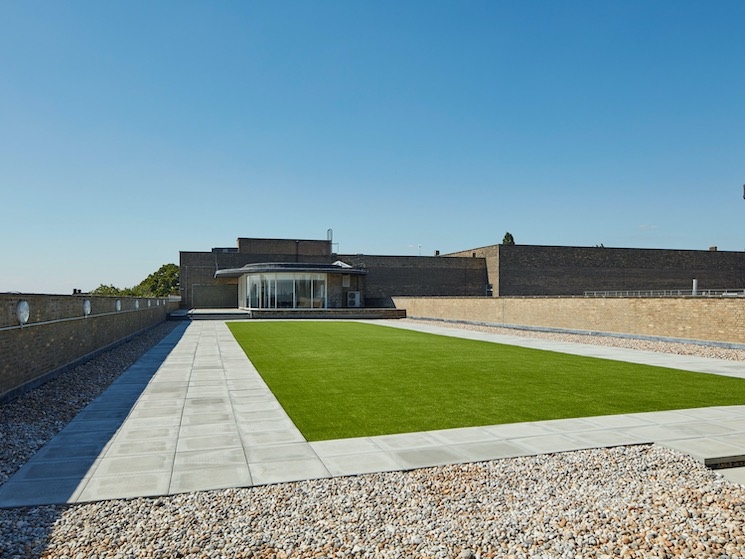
58 334
710 319
529 270
291 247
390 276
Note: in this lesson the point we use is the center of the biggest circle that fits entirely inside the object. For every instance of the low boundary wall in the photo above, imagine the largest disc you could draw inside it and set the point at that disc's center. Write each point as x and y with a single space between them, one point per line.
709 319
42 336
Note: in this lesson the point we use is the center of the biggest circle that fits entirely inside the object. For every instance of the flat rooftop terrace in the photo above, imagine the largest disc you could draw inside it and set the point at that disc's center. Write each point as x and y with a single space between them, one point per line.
194 414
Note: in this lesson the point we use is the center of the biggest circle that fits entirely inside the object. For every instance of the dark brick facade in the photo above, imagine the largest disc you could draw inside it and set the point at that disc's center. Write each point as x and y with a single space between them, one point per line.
386 275
390 276
200 288
498 270
524 270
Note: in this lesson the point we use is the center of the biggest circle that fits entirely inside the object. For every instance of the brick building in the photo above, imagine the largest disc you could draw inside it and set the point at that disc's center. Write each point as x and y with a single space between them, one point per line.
288 273
531 270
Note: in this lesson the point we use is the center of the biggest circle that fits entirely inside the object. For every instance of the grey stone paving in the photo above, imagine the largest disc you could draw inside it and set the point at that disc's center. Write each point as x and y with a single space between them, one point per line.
193 414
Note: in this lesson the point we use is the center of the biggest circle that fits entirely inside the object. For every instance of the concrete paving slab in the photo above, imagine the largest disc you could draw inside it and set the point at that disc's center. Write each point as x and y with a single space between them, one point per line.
262 405
205 459
427 457
608 438
98 415
493 450
406 441
658 432
100 487
193 414
261 438
264 426
517 430
572 425
708 451
208 430
736 439
271 415
84 426
144 423
228 440
265 473
362 463
721 413
130 433
208 418
279 453
143 446
124 465
63 450
22 493
463 435
341 447
617 421
735 475
74 467
154 412
548 444
207 479
701 427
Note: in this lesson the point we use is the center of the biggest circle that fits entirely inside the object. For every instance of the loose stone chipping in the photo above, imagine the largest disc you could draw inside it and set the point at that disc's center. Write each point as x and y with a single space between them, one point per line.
33 419
641 501
677 348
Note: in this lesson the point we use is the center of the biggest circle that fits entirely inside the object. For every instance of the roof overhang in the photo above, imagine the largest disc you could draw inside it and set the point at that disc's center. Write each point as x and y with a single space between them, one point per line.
289 267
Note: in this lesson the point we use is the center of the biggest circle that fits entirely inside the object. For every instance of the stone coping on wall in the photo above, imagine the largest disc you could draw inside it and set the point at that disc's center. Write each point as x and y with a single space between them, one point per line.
30 309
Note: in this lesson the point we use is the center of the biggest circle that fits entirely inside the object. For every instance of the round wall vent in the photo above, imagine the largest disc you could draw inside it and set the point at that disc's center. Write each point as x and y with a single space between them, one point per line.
23 311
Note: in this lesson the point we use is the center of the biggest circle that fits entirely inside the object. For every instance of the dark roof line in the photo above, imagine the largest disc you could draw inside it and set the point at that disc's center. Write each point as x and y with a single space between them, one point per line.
274 267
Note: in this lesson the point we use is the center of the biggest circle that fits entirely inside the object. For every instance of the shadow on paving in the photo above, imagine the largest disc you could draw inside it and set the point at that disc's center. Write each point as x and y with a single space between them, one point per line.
57 470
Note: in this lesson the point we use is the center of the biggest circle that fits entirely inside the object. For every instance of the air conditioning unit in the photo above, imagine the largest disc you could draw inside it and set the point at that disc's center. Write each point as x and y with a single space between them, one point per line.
354 299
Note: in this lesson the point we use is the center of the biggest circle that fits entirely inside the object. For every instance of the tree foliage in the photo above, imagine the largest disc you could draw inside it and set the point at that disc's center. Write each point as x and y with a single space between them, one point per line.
161 283
508 239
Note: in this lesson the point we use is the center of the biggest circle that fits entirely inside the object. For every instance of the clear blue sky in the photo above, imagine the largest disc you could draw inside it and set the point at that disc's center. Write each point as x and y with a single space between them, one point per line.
130 130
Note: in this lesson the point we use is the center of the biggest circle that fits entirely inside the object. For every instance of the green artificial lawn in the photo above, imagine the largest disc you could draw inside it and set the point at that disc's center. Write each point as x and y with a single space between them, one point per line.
348 379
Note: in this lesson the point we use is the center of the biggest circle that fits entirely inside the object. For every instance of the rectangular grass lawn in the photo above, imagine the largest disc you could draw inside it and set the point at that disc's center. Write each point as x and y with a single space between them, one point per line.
348 379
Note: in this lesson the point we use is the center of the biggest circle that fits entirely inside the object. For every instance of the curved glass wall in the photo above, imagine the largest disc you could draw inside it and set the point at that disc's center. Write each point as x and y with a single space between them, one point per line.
284 291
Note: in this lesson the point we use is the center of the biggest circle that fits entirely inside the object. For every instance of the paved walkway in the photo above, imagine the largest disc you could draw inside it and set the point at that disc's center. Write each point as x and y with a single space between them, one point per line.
193 414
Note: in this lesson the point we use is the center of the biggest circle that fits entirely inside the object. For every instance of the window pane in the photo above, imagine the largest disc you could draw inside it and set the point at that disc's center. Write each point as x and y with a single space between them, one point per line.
304 294
319 293
284 294
268 299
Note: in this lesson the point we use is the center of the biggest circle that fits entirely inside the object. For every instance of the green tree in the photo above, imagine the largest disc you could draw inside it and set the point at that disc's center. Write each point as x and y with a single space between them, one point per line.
508 239
163 282
107 291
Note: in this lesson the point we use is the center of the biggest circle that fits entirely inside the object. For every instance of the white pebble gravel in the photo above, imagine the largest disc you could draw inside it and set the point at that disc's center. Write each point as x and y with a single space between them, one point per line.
639 501
678 348
642 501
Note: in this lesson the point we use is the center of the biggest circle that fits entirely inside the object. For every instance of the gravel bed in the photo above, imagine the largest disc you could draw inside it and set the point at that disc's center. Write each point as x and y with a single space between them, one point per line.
641 501
677 348
638 501
31 420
